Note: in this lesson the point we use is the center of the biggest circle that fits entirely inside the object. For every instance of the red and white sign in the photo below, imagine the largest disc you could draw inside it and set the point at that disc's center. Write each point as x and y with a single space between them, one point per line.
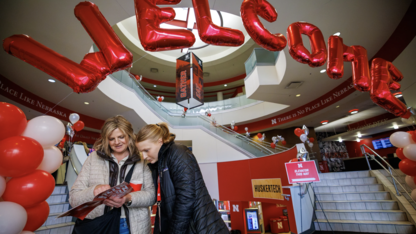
302 172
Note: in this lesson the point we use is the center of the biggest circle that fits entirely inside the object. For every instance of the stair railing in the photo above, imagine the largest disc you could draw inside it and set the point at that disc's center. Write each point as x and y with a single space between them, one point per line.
389 168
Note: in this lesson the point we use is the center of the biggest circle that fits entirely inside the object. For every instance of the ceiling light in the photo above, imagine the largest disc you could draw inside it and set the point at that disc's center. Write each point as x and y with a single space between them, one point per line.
340 140
86 103
154 70
395 126
297 95
324 122
336 106
398 94
353 111
337 34
225 85
155 86
184 50
52 80
323 71
358 134
358 140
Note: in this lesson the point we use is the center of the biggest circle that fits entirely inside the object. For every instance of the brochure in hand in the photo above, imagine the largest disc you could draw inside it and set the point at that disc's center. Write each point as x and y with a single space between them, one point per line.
84 209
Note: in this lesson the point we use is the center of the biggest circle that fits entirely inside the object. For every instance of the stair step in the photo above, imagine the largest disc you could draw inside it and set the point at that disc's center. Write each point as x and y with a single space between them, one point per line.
349 188
58 207
59 189
349 181
52 220
365 226
63 228
358 205
344 175
355 196
57 198
364 215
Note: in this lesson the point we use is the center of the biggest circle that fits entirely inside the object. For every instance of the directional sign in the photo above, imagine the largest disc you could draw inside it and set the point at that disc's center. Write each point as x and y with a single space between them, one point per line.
302 172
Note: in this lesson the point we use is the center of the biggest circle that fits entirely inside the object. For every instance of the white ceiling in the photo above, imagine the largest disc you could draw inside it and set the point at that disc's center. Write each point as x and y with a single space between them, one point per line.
367 23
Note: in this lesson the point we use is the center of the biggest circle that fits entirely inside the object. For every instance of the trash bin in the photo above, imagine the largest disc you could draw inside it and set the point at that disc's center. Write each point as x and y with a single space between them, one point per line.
285 224
276 225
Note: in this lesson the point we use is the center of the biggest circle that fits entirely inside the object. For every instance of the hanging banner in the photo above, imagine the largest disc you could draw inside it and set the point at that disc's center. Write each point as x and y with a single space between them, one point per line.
189 81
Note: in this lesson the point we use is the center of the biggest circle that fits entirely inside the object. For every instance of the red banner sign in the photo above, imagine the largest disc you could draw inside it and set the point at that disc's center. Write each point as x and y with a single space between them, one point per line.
16 93
302 172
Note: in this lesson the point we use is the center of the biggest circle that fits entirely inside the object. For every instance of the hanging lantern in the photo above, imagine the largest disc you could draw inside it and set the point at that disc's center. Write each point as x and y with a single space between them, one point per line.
189 82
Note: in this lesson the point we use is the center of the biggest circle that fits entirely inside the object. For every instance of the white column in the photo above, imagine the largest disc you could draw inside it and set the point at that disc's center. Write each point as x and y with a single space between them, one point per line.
220 96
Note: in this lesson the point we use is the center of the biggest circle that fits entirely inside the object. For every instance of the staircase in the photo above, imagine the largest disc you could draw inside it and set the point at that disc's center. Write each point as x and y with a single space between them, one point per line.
356 202
58 203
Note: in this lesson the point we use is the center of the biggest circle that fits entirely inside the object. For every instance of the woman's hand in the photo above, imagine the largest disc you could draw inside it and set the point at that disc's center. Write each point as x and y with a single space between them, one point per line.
101 188
116 201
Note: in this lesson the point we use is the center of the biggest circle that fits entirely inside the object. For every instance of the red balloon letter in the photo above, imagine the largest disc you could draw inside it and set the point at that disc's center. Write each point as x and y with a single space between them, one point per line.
298 51
384 77
152 37
95 66
338 53
249 11
211 33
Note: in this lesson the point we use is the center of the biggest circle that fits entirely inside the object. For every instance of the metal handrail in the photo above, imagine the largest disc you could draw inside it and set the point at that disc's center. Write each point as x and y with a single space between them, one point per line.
388 170
242 137
73 165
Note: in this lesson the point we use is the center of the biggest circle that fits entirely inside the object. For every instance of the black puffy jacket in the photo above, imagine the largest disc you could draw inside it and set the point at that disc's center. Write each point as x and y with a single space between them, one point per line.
186 205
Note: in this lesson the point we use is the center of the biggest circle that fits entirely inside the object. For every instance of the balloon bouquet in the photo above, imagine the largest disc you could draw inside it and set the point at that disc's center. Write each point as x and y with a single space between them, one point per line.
406 151
247 133
303 135
208 113
275 141
73 125
261 136
28 157
233 126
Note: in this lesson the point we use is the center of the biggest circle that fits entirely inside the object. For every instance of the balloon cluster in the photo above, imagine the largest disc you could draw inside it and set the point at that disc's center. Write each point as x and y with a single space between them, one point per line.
208 113
406 151
28 157
233 126
160 98
184 112
261 137
247 133
73 125
275 141
303 135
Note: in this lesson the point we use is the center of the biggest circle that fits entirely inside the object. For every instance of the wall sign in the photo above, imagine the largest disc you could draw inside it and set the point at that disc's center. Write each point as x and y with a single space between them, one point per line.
267 188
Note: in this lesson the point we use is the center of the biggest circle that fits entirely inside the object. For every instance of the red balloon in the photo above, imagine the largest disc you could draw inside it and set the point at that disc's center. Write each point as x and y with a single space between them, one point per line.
384 76
273 145
413 136
211 33
283 142
295 160
311 140
113 56
399 153
152 37
407 166
12 121
36 216
31 189
249 11
298 132
259 135
336 52
78 126
209 114
298 51
19 156
235 128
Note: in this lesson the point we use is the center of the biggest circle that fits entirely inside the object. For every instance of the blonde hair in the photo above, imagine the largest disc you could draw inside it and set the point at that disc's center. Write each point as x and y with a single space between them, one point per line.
154 132
109 126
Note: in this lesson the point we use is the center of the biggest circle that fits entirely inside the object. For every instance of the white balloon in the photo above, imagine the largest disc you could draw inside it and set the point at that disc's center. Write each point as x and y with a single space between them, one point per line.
73 118
310 144
52 159
46 130
2 185
27 232
303 137
410 120
413 195
246 128
410 152
13 218
400 139
410 182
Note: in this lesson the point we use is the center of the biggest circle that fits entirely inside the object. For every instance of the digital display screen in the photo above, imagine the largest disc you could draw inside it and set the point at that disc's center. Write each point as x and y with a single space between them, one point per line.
252 220
382 143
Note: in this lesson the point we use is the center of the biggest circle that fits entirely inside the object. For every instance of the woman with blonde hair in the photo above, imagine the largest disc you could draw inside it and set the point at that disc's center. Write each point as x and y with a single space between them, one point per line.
185 205
115 160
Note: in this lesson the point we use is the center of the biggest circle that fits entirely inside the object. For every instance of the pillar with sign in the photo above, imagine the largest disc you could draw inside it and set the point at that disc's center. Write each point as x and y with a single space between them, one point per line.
189 81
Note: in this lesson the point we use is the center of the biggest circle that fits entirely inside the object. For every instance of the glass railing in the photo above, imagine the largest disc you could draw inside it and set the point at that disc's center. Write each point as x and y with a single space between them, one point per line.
260 57
175 119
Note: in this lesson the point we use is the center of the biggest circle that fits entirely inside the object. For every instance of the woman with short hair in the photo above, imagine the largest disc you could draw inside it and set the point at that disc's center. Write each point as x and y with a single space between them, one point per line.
185 206
108 166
